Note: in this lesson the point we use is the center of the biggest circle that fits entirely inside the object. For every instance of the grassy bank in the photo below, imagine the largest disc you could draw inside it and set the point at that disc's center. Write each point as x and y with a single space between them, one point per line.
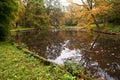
21 29
112 28
108 28
69 27
15 65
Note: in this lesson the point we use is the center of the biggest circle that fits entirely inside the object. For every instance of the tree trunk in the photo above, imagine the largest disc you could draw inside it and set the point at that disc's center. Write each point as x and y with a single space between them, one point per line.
95 21
89 8
96 39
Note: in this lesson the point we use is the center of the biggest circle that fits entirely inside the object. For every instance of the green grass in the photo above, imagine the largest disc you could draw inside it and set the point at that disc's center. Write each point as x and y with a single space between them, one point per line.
21 29
68 27
64 27
71 26
108 28
112 28
15 65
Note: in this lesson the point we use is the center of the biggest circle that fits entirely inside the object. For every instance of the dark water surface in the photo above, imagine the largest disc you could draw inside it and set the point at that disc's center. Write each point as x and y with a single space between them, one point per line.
99 54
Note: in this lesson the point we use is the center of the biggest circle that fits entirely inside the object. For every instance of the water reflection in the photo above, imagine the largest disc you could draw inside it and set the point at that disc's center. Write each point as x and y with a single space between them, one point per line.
107 54
99 54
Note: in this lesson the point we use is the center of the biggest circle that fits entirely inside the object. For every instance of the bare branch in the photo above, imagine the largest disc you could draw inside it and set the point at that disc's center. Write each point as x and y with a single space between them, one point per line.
85 5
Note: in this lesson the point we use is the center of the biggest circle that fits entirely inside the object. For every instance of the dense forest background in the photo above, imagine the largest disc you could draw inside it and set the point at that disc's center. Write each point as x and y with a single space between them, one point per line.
52 14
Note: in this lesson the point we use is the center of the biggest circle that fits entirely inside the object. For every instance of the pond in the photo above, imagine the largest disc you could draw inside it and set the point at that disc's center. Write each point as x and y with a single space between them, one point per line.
98 53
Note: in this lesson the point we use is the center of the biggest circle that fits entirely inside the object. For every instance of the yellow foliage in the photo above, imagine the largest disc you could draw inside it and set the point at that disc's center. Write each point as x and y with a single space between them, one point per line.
82 13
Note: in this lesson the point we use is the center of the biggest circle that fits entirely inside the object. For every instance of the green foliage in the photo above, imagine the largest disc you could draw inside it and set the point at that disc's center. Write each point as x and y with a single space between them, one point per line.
8 9
35 14
53 9
15 65
70 22
77 70
3 32
114 14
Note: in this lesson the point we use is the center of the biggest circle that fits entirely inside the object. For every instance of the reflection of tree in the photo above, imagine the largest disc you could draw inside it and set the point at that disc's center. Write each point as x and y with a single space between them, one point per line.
46 43
102 58
78 39
17 37
93 44
53 51
106 54
37 41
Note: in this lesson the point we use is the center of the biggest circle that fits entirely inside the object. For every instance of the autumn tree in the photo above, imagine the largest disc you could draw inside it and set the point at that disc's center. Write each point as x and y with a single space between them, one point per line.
70 15
20 13
8 9
95 8
53 8
94 11
75 14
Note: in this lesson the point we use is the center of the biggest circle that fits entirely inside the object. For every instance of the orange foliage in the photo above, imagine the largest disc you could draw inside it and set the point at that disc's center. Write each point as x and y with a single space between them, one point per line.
82 13
98 8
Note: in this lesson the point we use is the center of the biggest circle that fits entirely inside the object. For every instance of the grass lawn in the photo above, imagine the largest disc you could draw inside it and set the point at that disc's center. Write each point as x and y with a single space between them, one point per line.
21 29
15 65
70 27
113 28
108 28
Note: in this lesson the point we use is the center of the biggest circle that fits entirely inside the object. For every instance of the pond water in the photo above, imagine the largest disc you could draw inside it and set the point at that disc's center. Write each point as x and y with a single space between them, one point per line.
98 53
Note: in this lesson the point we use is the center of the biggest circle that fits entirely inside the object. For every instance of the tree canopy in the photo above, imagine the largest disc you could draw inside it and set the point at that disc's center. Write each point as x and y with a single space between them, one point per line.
35 14
54 12
8 9
114 13
39 13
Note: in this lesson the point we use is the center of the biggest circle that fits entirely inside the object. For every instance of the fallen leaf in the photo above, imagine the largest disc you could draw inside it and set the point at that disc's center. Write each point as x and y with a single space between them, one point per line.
108 64
16 65
34 65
